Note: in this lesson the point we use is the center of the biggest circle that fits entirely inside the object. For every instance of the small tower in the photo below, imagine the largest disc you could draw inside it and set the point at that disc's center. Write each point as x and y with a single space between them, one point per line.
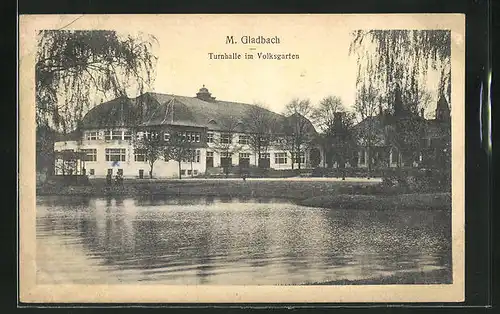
443 109
204 94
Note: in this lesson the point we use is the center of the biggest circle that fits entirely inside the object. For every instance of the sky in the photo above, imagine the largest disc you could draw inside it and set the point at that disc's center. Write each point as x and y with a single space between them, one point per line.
324 67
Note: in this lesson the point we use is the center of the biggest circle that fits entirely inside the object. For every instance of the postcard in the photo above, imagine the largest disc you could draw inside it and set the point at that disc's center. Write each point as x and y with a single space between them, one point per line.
241 158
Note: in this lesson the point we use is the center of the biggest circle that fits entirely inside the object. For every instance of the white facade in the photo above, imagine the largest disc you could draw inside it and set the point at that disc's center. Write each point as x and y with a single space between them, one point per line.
113 152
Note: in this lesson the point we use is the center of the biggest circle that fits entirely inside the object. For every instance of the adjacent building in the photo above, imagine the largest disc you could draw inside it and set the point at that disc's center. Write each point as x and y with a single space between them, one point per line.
432 137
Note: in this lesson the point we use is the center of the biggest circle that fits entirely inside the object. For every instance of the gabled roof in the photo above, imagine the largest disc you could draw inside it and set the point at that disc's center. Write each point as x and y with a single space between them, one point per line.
166 109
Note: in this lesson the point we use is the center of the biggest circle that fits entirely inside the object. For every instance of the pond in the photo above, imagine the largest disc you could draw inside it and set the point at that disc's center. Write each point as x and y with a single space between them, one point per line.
228 241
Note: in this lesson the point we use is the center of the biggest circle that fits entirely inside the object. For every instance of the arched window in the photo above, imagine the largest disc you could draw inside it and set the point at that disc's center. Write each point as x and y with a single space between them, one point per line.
394 156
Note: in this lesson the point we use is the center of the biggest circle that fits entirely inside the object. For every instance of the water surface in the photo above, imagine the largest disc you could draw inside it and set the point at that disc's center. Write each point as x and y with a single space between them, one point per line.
231 241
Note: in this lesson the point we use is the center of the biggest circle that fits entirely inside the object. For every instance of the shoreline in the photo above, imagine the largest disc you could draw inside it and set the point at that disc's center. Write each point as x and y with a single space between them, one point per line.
439 276
332 194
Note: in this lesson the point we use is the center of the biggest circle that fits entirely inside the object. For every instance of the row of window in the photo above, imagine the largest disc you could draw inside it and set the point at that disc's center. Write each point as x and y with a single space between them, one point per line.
119 154
227 138
193 137
109 135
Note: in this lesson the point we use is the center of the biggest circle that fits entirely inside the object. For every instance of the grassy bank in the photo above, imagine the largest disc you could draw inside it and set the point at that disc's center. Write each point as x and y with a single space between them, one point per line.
298 190
415 201
313 193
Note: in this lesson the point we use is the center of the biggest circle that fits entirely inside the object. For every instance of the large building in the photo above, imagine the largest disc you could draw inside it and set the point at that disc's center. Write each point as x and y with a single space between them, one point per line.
104 144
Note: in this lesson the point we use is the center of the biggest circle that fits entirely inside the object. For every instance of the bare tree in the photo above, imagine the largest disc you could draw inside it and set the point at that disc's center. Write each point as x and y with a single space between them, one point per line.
324 116
151 145
298 129
368 105
224 144
259 124
179 149
342 140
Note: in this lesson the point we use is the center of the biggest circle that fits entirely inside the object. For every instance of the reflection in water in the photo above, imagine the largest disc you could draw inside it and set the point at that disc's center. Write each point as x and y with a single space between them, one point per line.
231 241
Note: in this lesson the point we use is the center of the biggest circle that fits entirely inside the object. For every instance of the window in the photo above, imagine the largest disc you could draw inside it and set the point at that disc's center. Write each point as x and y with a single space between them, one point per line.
110 172
280 141
139 155
150 134
394 156
196 155
243 139
210 137
264 141
195 172
120 172
92 135
127 135
115 154
296 159
183 172
225 155
362 159
91 154
166 137
113 135
91 172
192 156
210 159
244 160
280 158
139 136
265 156
193 137
225 138
189 172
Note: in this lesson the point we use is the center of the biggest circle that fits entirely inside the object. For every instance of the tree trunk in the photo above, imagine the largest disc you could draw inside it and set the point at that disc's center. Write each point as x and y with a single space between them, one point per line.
369 156
180 175
342 167
298 157
151 164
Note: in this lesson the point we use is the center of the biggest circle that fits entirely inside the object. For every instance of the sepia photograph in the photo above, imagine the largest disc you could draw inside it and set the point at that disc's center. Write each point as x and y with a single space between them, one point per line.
242 158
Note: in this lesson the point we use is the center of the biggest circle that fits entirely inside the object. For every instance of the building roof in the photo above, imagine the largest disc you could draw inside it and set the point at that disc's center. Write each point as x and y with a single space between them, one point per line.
376 125
65 137
154 109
